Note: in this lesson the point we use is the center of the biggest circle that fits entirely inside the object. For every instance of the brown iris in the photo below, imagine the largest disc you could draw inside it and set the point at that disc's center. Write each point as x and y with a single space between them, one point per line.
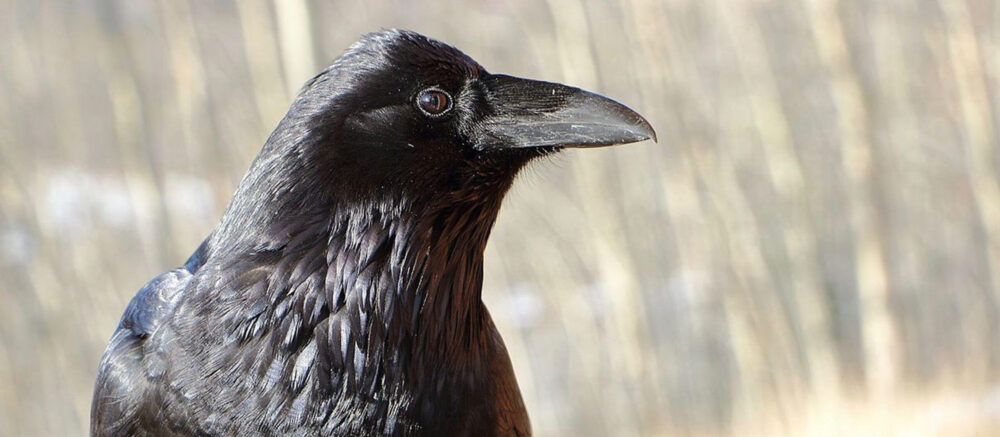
434 101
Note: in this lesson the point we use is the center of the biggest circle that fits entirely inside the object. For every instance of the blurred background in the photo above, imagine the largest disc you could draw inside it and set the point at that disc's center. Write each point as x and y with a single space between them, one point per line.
813 247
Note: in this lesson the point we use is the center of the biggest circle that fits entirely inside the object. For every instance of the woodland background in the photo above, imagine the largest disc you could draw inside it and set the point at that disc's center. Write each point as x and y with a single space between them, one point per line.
812 248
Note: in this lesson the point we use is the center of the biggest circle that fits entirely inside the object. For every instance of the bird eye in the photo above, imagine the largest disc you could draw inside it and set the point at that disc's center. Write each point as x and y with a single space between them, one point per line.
433 101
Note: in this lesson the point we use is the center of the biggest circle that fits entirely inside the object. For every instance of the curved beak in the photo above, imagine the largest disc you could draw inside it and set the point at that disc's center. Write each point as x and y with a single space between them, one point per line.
531 113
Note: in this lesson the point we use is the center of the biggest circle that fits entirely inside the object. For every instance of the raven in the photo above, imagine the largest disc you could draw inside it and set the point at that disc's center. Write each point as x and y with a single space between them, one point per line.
340 294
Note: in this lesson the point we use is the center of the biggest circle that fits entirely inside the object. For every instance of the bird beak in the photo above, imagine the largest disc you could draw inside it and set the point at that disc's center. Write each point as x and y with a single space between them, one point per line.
530 113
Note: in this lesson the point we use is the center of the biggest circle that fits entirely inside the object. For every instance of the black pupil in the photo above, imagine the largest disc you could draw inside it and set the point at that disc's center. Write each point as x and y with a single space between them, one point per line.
433 101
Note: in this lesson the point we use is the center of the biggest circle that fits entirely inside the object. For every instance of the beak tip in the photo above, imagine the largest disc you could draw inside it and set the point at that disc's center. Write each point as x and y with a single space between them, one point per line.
647 129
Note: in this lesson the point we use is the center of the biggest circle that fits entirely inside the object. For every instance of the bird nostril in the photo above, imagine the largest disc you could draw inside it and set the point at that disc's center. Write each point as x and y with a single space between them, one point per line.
433 101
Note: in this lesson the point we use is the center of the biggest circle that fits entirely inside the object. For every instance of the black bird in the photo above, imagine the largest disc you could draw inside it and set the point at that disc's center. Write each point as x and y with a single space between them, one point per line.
340 292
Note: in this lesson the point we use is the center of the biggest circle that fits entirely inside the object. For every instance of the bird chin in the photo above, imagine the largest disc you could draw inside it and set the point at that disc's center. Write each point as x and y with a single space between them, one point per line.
548 150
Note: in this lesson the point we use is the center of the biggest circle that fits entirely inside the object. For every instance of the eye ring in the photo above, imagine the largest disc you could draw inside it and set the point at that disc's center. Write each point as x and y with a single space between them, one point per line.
434 102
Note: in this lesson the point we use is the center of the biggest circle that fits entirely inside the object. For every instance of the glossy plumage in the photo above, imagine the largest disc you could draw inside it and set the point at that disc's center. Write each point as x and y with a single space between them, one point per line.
340 292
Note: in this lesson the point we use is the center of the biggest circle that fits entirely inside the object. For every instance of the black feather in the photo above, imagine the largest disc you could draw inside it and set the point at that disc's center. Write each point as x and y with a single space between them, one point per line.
340 292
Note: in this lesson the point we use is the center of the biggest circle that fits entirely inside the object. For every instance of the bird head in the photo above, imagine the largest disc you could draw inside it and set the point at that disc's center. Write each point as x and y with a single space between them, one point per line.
399 112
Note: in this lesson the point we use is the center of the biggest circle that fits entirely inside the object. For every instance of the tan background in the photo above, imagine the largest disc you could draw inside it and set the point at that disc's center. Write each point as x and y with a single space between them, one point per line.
813 247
